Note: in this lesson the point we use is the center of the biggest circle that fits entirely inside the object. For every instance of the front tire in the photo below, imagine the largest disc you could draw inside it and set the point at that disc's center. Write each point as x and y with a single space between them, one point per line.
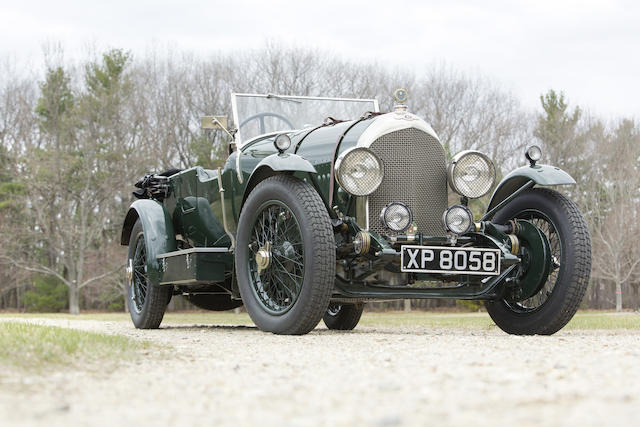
147 301
553 306
285 256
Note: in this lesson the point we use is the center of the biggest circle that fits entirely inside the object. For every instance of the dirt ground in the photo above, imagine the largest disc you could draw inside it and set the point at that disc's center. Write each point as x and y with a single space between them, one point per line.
373 376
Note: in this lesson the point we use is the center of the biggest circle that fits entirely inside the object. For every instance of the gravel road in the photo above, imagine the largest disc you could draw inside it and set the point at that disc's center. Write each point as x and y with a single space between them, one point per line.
219 375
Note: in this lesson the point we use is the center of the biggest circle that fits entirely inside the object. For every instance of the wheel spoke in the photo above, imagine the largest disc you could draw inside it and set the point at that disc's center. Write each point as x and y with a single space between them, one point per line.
283 269
545 225
277 232
291 260
139 277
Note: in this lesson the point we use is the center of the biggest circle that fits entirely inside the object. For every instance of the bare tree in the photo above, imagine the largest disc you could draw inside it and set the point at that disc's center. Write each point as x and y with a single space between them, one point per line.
615 197
70 177
72 157
17 100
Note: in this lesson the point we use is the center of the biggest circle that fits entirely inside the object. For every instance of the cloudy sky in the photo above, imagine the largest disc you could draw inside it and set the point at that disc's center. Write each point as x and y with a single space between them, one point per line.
589 49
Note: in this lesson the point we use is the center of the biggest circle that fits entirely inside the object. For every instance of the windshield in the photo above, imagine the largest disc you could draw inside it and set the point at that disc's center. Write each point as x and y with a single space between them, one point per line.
255 115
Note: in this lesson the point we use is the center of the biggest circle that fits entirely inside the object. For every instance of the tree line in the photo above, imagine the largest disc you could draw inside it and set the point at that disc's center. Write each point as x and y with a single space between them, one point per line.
75 136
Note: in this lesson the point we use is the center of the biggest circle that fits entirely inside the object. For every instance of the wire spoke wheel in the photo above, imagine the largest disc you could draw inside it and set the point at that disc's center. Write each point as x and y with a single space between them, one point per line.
147 299
544 224
556 300
276 234
139 279
286 256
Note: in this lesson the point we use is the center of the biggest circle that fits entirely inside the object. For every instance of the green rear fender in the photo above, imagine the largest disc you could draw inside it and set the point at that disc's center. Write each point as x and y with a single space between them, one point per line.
543 175
158 232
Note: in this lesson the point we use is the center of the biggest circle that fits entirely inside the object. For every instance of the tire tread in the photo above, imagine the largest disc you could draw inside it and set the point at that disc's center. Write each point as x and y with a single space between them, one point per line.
577 278
324 260
156 299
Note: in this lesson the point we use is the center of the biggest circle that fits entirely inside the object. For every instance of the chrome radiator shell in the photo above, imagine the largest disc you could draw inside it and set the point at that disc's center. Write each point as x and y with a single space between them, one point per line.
414 174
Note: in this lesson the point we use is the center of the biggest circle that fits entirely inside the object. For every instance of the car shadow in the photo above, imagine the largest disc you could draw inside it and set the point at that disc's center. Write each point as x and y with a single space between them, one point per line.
368 330
215 327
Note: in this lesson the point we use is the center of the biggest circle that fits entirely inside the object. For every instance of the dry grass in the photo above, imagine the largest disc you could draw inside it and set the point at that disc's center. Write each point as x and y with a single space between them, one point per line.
582 320
34 347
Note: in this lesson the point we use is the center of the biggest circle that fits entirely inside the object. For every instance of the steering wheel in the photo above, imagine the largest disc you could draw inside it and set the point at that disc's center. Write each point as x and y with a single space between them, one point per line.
261 116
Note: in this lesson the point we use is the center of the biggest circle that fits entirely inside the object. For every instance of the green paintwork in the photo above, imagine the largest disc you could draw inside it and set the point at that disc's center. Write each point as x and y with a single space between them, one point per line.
277 163
544 175
316 150
536 260
193 210
286 162
194 204
319 147
193 267
157 227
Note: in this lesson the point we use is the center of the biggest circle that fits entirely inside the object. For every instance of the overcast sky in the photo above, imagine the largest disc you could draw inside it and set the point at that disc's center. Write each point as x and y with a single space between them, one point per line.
588 49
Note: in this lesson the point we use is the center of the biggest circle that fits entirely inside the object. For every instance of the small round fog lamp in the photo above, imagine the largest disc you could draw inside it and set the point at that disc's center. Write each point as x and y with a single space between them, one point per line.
396 216
533 154
282 142
458 219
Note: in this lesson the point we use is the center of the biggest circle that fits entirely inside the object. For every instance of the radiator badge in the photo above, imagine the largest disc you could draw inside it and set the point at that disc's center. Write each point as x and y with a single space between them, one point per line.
400 95
401 109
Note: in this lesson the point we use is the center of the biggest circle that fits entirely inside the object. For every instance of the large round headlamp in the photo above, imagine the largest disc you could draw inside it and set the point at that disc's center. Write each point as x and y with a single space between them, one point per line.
471 174
359 171
396 216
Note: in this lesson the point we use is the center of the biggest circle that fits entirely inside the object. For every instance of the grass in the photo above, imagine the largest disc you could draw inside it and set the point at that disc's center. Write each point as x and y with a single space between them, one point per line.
435 320
610 320
205 317
581 321
36 347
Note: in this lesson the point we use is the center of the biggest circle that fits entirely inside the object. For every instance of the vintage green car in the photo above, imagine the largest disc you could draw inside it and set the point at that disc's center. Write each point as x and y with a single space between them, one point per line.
313 215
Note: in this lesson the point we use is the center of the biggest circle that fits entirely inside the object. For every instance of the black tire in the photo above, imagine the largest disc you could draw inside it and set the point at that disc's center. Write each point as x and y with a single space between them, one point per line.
285 219
554 305
343 317
147 301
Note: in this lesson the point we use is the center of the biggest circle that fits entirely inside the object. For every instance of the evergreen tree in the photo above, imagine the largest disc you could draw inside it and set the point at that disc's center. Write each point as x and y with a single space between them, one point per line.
72 174
559 131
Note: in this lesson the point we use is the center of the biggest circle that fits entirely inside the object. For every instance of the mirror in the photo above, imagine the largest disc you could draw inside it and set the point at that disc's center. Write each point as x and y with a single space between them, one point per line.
214 122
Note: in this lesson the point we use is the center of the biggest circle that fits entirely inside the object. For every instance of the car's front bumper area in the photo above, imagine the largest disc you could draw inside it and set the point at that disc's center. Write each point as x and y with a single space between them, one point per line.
379 272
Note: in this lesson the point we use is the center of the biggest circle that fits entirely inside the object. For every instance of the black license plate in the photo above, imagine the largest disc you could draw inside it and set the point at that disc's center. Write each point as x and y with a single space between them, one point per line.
447 259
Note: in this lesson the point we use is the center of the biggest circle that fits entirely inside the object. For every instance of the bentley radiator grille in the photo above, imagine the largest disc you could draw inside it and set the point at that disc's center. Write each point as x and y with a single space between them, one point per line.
415 174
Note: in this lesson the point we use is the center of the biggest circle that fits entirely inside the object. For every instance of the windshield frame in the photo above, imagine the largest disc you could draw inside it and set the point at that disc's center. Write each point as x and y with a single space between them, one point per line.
234 108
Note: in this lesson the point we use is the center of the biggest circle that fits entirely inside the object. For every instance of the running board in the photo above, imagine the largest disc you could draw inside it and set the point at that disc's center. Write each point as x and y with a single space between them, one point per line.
195 266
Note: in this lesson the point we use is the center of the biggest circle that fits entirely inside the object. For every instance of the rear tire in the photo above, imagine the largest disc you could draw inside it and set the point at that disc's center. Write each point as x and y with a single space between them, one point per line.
147 301
554 305
343 317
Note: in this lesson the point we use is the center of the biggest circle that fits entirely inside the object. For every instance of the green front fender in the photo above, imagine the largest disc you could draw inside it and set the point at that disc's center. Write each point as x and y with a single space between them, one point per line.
544 175
285 162
159 236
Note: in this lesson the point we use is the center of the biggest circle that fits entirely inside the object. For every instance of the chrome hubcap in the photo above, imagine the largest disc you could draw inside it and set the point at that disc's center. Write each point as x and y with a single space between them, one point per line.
263 257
